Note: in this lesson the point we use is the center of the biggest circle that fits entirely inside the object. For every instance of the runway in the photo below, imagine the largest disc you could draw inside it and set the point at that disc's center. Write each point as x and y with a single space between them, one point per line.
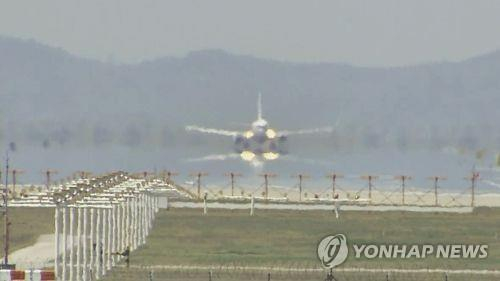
310 207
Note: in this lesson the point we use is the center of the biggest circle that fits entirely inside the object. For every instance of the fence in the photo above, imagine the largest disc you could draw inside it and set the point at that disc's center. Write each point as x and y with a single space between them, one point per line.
348 274
95 232
361 190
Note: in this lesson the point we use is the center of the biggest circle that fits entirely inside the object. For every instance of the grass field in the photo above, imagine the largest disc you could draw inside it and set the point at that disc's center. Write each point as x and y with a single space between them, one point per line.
289 239
286 239
26 225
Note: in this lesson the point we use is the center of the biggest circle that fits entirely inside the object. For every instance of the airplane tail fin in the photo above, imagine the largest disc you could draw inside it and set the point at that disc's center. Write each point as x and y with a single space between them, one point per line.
259 107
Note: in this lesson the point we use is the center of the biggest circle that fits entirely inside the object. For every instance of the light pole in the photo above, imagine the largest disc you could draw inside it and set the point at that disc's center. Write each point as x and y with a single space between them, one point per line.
370 179
403 179
6 211
473 178
15 172
48 174
169 175
266 177
198 176
436 179
232 175
334 176
301 177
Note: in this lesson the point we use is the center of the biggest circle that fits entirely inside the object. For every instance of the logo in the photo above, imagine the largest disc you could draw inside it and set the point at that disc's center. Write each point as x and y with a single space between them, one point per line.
333 250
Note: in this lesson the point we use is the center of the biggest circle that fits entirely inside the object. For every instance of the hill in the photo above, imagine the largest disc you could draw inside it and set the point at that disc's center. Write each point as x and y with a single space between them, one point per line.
51 95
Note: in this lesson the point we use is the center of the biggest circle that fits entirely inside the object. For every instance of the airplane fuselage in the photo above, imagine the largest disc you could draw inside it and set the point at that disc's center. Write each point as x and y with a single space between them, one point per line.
260 142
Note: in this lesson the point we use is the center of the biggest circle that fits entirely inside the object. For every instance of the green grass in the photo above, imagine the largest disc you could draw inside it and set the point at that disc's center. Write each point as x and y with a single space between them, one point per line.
285 239
26 225
289 238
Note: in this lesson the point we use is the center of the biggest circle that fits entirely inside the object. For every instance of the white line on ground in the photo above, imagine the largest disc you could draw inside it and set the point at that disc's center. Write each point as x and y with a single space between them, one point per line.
243 206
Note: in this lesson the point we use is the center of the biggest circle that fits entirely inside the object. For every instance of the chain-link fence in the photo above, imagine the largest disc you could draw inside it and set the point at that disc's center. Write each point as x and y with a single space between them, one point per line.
359 191
190 274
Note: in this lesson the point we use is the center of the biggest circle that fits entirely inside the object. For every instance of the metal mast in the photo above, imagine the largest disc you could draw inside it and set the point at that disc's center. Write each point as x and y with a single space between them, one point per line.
6 211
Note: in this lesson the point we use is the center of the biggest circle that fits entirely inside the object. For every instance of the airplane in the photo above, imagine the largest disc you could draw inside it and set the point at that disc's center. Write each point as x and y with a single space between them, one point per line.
258 144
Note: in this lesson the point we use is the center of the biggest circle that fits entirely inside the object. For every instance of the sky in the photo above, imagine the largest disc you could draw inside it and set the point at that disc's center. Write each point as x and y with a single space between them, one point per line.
363 33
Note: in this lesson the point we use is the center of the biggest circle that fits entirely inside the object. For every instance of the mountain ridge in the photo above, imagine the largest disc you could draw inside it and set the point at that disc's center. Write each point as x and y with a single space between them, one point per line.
53 90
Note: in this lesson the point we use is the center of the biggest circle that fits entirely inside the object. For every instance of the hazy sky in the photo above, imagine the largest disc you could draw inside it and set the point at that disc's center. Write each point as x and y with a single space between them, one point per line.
373 33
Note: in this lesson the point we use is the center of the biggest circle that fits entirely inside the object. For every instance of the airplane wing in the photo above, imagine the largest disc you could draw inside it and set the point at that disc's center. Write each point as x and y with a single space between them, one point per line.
214 157
307 131
212 131
320 130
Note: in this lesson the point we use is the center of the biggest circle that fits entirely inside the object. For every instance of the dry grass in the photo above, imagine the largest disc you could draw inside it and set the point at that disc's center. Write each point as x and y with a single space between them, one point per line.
289 238
26 225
